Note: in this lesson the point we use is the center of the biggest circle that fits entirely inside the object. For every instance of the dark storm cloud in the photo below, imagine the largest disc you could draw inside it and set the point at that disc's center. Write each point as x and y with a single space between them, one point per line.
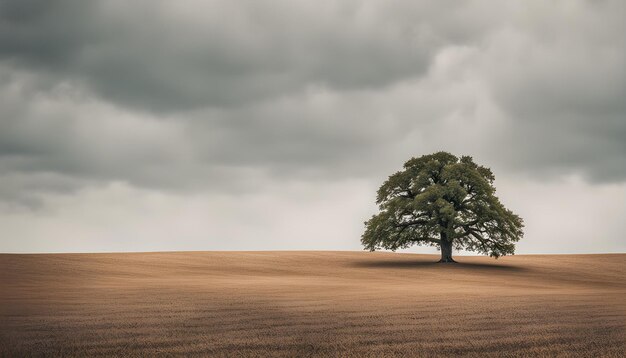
227 95
165 56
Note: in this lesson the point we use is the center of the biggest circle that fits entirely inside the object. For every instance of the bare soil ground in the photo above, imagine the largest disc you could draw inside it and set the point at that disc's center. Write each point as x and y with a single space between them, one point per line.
311 303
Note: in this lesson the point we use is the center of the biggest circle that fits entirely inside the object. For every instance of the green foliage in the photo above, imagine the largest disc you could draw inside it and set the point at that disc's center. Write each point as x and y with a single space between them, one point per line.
439 197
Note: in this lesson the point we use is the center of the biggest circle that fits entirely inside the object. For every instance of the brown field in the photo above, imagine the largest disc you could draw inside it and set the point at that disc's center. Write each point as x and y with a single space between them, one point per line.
311 303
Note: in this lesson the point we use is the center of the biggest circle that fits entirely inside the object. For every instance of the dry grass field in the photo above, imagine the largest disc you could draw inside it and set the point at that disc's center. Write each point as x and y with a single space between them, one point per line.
311 303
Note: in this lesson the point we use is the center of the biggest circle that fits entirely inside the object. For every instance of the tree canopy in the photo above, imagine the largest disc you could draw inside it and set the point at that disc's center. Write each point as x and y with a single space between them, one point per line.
444 201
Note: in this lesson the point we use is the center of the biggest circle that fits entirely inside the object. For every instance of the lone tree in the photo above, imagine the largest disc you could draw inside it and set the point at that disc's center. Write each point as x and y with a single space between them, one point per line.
441 200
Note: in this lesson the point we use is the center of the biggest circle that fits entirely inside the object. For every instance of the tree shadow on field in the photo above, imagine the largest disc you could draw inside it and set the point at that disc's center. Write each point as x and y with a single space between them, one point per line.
406 264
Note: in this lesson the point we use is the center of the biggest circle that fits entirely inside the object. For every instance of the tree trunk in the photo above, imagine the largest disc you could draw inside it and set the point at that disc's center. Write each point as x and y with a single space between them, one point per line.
446 250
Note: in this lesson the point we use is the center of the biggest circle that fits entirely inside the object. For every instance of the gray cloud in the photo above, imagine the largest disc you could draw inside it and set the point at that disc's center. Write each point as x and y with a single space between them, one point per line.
236 97
164 56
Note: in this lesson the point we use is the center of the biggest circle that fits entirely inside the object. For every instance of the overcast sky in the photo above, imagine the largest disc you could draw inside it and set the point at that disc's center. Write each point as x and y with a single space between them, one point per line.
252 125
